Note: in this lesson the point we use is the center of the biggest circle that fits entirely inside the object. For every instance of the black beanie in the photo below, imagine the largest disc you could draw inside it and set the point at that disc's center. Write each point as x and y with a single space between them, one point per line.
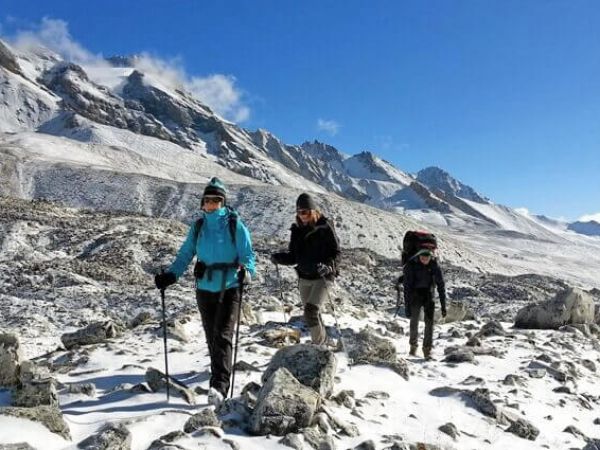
216 187
305 201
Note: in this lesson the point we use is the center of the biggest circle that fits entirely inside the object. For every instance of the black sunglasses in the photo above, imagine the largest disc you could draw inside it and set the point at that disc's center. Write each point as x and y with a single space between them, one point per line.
212 200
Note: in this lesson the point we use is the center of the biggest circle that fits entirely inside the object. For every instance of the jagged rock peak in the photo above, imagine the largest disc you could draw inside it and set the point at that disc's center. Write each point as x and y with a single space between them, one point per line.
322 151
436 178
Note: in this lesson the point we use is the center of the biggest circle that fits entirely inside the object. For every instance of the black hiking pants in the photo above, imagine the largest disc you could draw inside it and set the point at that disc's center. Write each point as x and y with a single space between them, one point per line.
219 320
421 298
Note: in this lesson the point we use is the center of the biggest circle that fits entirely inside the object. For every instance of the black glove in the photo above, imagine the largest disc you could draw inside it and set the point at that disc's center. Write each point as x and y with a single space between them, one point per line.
244 276
324 270
164 280
275 258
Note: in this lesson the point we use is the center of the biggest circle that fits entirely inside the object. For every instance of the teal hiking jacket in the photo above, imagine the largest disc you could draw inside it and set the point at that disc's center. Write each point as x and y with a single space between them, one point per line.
214 245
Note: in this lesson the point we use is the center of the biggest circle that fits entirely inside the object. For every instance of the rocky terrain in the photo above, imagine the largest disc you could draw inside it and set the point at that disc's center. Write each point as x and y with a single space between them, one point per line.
81 351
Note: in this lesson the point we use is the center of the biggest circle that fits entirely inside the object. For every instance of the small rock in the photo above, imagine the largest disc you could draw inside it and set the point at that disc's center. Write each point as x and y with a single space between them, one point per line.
292 440
94 333
537 373
82 388
562 390
110 437
576 432
11 356
345 398
243 366
143 318
205 418
366 445
18 446
450 429
459 355
157 381
378 395
523 429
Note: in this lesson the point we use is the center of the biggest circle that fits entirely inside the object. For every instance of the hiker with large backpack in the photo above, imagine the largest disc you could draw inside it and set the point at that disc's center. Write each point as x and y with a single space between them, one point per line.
314 249
421 275
224 257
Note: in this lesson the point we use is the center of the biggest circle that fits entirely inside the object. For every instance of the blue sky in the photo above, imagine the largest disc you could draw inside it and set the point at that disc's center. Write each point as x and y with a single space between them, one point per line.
505 95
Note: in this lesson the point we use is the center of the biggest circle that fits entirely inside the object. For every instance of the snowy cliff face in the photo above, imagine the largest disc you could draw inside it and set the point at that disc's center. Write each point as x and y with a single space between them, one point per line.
24 104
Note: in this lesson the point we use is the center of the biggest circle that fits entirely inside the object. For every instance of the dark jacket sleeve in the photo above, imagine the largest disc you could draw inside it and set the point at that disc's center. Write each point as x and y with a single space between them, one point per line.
289 258
439 282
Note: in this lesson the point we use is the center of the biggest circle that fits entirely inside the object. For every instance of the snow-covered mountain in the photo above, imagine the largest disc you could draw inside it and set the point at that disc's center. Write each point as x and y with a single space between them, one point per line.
117 104
590 228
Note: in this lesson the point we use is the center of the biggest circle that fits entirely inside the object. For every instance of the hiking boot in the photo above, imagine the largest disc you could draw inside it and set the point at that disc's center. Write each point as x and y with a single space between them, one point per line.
413 350
215 398
427 353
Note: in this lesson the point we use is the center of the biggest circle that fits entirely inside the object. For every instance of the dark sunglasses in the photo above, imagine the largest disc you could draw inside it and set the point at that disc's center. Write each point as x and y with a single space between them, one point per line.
212 200
303 212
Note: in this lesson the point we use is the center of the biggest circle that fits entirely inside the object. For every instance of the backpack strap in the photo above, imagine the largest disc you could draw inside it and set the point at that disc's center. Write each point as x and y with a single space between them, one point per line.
232 219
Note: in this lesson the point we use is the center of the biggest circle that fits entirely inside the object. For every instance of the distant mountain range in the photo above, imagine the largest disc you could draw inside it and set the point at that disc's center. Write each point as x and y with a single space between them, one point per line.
118 105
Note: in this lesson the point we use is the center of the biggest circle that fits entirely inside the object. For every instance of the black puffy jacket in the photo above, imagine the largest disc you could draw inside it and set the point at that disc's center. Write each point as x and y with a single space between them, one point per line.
309 246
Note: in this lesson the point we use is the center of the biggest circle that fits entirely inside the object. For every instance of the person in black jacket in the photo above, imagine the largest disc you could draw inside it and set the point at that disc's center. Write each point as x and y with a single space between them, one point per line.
421 275
314 249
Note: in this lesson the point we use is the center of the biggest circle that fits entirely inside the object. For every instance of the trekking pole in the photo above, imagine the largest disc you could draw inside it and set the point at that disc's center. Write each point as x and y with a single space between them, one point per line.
337 324
241 276
397 301
281 293
164 325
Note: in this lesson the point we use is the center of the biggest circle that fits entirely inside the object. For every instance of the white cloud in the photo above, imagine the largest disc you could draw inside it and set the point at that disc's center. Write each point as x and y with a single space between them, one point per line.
588 217
329 126
54 35
218 91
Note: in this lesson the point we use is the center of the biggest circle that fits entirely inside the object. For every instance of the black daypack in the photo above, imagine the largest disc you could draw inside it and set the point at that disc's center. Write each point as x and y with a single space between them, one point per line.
414 241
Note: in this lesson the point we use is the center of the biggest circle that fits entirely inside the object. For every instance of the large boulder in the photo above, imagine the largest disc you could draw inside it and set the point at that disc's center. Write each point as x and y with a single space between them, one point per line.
94 333
570 306
36 393
367 348
11 356
311 365
49 416
284 405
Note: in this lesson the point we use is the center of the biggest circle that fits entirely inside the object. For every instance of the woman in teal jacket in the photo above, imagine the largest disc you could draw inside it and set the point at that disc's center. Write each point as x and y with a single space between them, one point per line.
222 246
